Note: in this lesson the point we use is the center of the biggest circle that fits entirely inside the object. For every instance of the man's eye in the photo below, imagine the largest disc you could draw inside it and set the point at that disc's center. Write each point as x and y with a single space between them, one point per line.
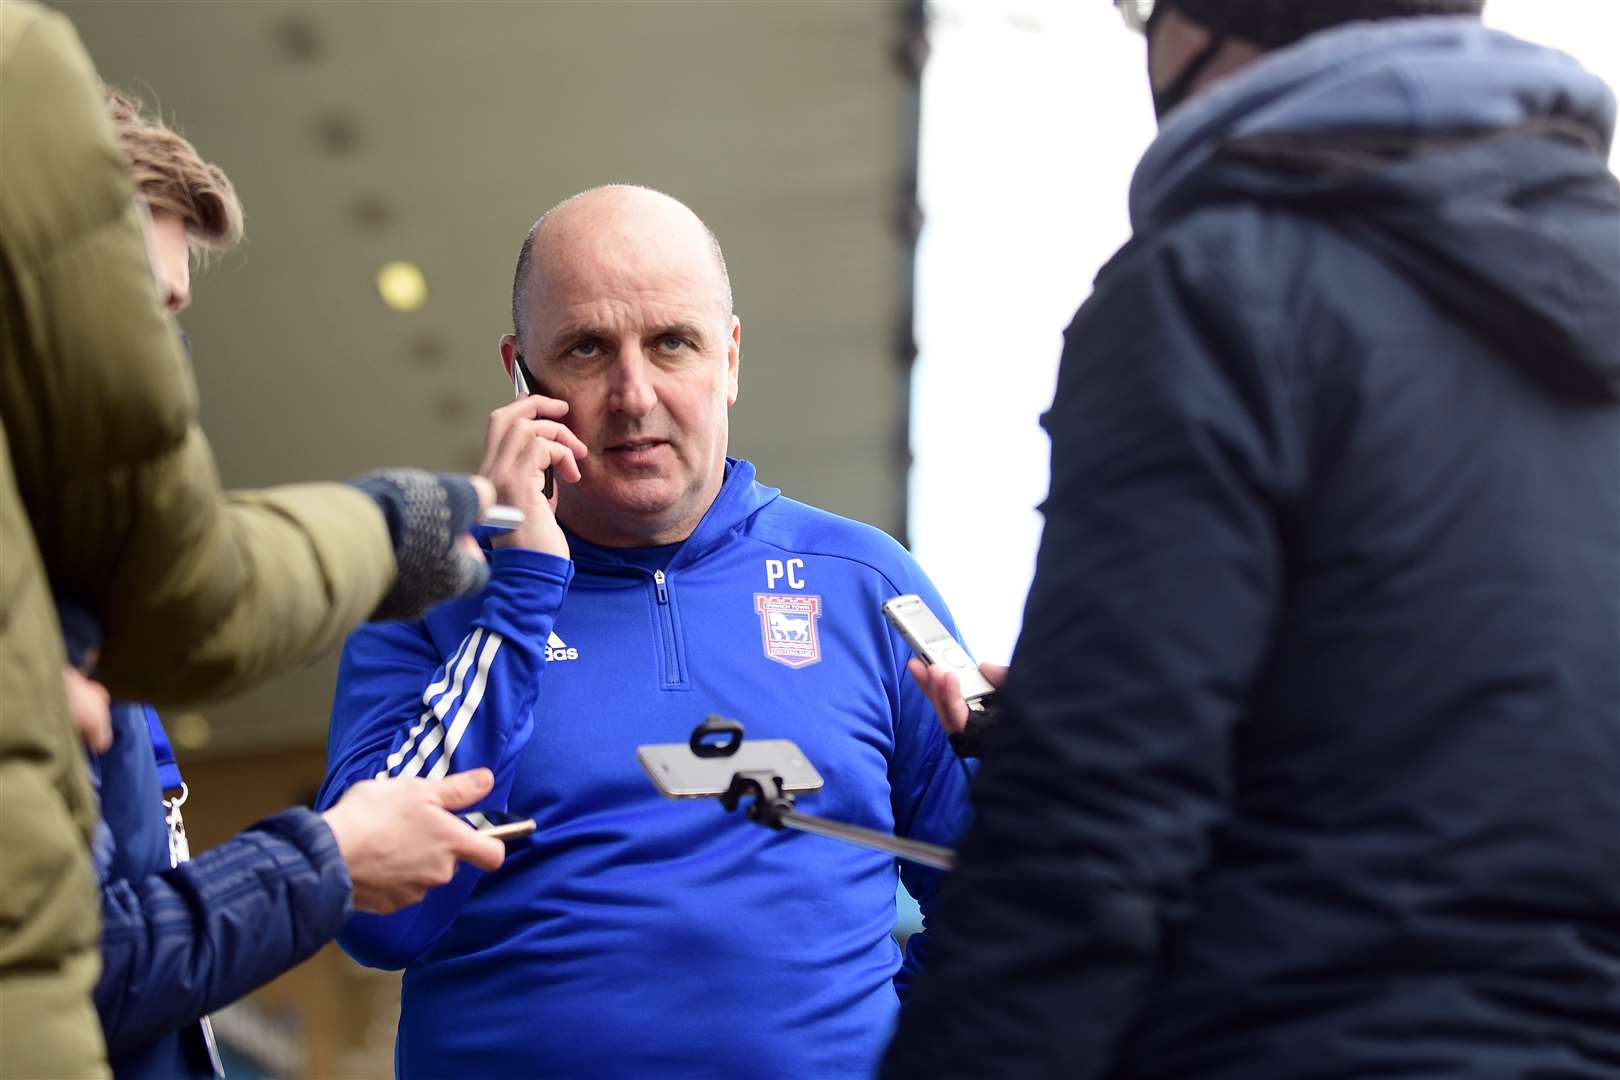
586 349
671 343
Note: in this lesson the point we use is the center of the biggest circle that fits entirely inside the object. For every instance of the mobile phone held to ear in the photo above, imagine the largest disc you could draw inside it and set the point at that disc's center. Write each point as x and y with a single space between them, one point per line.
507 827
930 640
520 388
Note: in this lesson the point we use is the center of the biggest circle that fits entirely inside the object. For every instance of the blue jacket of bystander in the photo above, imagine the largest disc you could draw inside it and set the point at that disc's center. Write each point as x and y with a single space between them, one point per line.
179 942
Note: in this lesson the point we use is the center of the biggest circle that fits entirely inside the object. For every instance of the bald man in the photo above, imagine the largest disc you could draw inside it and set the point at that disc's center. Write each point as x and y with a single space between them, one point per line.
659 582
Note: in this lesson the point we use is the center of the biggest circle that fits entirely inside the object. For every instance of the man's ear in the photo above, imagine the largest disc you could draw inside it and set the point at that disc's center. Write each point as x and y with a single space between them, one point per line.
733 359
509 354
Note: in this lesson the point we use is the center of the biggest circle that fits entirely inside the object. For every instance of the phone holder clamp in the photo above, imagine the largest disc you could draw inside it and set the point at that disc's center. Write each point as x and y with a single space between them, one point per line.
774 808
771 804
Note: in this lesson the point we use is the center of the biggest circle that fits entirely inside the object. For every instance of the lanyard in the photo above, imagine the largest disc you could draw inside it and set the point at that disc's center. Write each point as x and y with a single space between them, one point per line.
162 750
179 848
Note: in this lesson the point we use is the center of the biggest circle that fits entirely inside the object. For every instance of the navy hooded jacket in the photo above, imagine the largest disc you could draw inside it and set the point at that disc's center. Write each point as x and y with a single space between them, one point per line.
179 943
1311 761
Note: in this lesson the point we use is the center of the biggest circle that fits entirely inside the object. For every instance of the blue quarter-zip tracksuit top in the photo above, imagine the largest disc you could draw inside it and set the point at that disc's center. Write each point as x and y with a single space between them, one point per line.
635 936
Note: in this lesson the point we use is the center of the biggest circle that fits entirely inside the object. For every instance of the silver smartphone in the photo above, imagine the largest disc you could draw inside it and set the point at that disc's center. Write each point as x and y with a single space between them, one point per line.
680 774
930 640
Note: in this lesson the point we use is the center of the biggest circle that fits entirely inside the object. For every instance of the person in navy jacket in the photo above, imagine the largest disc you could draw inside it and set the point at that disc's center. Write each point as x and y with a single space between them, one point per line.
1309 762
182 937
634 936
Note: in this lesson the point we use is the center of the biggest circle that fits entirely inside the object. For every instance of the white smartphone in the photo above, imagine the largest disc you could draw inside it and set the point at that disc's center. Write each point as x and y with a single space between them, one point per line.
505 518
930 640
681 774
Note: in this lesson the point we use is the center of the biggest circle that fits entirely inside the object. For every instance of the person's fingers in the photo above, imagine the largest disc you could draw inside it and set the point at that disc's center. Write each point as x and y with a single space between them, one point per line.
548 444
552 431
464 788
88 707
528 450
97 735
995 673
952 709
495 429
484 852
531 467
508 432
530 407
507 448
563 459
943 692
927 678
486 493
513 418
539 407
918 672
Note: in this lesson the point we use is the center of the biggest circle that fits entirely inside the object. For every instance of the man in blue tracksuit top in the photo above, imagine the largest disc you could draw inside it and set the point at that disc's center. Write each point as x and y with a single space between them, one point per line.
633 936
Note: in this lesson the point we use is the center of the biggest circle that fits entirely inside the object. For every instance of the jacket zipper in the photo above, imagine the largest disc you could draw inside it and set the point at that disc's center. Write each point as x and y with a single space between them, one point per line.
672 660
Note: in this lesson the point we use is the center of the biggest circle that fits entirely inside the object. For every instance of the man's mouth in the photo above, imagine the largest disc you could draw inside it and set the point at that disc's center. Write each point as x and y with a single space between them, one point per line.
636 447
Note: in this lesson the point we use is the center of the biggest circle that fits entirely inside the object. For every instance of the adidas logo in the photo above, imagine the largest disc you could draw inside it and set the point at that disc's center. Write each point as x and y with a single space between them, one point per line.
556 650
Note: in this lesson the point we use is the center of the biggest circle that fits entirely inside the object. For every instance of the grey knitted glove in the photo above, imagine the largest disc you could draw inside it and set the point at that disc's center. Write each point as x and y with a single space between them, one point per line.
426 515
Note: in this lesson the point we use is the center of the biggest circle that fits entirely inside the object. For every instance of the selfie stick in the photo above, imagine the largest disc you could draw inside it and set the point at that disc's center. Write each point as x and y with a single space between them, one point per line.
773 808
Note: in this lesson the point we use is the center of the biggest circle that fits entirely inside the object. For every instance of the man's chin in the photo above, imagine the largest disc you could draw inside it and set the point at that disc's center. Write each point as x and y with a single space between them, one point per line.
629 495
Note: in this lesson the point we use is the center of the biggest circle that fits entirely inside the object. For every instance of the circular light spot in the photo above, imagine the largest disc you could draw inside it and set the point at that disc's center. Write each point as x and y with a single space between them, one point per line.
191 731
402 286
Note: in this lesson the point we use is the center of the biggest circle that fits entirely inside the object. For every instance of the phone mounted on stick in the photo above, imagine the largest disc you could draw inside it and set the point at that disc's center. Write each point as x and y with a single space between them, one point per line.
771 772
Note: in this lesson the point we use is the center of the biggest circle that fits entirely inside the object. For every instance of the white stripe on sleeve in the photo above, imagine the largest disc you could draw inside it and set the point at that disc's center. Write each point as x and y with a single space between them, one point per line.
435 687
435 734
469 705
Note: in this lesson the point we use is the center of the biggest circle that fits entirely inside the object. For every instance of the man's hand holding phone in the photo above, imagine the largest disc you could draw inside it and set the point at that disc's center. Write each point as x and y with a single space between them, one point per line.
399 836
944 690
522 441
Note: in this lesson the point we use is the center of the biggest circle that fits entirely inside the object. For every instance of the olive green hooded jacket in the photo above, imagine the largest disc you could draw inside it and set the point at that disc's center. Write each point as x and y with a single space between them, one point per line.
109 494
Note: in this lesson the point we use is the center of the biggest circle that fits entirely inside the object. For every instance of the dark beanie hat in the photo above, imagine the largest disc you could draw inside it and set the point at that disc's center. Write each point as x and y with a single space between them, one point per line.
1272 24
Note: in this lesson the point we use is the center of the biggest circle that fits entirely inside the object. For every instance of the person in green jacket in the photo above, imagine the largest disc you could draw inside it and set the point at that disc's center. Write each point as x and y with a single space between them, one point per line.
109 494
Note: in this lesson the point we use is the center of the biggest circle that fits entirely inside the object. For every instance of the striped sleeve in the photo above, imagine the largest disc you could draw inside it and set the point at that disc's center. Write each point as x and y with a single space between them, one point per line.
449 704
426 699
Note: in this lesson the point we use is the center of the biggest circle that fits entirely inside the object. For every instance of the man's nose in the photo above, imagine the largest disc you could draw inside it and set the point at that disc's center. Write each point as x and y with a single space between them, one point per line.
633 391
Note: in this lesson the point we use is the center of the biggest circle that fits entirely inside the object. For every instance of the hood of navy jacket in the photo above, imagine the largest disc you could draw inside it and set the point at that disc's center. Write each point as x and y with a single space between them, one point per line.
1475 162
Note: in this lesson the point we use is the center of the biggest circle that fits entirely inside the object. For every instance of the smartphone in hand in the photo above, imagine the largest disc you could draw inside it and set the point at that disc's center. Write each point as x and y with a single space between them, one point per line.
520 388
507 827
930 640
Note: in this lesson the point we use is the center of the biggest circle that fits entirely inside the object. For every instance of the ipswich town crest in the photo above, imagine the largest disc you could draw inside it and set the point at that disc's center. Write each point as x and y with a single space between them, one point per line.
788 626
